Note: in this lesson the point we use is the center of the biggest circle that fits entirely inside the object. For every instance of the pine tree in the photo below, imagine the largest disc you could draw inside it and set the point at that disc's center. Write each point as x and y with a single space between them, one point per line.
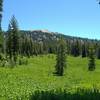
61 58
36 48
21 39
1 33
13 40
98 53
75 48
1 9
41 48
91 65
1 41
45 47
68 42
83 50
28 46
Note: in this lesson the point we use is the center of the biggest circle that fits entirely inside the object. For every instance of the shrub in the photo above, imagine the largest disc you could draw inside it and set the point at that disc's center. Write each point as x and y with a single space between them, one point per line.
23 61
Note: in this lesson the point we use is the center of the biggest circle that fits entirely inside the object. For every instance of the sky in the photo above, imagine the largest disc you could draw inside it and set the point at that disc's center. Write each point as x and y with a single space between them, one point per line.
71 17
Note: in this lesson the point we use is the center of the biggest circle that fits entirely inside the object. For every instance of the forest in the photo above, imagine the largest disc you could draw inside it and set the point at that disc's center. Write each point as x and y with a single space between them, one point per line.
43 65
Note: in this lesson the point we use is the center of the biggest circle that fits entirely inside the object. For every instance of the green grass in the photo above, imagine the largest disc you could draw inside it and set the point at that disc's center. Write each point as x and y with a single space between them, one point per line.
21 82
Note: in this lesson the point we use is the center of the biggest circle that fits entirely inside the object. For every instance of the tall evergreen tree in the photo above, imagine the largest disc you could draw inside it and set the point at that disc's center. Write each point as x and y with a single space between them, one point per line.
28 46
83 50
75 49
41 48
1 41
98 53
36 48
45 47
61 58
68 42
1 9
1 33
91 65
13 39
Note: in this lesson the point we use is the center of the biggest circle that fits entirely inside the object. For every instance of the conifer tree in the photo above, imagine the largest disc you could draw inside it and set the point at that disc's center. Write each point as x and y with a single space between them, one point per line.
35 49
1 41
83 50
75 48
1 33
28 46
13 40
1 9
91 65
45 47
41 48
61 58
98 53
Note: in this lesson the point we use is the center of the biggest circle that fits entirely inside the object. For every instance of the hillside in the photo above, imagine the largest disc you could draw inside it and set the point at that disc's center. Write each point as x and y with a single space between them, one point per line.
40 35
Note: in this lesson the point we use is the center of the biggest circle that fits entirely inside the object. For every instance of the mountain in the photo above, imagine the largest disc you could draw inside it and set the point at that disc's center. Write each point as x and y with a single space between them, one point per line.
45 35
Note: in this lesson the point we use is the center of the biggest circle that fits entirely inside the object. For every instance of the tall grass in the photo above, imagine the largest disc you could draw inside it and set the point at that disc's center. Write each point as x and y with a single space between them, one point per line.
80 94
20 82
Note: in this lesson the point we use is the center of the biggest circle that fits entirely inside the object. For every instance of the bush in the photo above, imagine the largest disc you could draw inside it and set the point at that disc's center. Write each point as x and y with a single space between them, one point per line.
6 62
3 60
23 61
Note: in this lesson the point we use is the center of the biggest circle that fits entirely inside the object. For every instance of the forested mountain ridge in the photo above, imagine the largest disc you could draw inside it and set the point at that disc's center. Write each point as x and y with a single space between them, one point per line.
43 41
40 35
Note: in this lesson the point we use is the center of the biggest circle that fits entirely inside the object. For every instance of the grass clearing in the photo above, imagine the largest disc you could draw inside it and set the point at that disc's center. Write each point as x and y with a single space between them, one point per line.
19 83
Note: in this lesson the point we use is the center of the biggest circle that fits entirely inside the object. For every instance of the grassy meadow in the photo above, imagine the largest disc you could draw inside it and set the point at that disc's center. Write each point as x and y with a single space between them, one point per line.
21 82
